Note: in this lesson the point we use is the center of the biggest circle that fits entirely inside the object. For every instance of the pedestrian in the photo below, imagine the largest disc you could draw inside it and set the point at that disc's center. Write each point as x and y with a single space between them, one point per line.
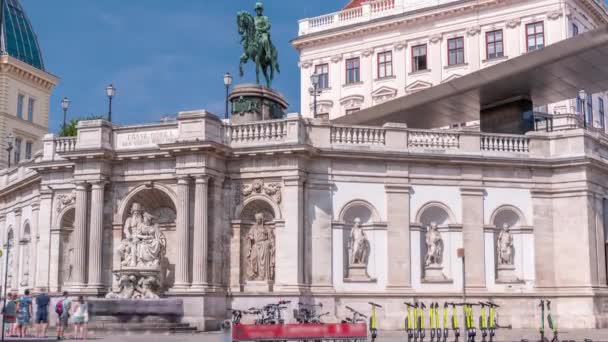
24 313
62 309
10 315
81 318
42 313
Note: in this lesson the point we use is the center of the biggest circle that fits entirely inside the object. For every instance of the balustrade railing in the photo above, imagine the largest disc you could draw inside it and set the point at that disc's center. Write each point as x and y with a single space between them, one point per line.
354 135
257 132
65 144
321 21
351 14
433 139
505 143
382 5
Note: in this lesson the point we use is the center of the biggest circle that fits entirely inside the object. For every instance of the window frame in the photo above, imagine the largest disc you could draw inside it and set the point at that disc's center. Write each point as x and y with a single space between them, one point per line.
495 42
535 34
31 105
384 65
461 38
589 109
20 105
319 87
29 145
426 57
358 78
17 152
600 104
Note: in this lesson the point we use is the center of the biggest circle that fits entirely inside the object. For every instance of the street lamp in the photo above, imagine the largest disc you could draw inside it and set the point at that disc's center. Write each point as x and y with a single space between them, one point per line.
111 92
314 79
9 146
65 104
227 83
582 96
8 250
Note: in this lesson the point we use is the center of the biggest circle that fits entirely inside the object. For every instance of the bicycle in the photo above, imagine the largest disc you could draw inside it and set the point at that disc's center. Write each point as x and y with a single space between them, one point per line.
273 313
307 313
372 321
357 316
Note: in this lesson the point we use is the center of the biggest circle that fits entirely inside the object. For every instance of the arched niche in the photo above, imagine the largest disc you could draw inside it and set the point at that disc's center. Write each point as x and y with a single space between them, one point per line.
26 261
442 216
156 199
509 215
436 212
360 209
254 204
66 220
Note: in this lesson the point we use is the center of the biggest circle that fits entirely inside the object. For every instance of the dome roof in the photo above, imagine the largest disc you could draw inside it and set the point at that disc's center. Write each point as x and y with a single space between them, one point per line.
18 38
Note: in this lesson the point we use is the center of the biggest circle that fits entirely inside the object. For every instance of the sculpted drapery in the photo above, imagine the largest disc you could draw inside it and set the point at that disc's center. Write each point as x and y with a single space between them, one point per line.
261 252
143 244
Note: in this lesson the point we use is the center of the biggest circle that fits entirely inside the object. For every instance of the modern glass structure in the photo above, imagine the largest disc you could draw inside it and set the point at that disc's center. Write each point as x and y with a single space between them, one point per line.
18 38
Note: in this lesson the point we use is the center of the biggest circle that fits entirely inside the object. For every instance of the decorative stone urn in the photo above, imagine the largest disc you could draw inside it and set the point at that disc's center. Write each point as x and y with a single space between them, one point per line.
253 102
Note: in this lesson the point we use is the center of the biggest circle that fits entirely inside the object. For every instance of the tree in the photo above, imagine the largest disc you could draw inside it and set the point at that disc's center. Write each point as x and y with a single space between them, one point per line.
70 129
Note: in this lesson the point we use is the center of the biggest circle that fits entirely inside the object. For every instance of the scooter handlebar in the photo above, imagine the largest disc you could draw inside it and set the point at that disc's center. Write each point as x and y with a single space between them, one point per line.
374 304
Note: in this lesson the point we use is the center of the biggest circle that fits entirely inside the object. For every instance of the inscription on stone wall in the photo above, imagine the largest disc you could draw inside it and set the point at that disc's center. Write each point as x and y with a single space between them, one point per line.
149 139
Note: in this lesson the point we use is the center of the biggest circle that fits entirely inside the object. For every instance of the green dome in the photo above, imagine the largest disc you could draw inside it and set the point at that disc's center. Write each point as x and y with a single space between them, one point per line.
18 38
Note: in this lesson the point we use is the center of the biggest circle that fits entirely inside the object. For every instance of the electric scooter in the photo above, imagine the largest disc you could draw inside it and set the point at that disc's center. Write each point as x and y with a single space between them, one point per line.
410 322
483 323
446 331
373 329
421 332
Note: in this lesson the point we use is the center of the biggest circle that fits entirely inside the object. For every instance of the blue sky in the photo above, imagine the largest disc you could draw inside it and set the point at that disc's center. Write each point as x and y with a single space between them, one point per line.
163 56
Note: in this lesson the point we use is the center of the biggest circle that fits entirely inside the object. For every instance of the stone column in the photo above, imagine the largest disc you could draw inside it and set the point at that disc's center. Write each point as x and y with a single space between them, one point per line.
43 255
3 240
17 248
289 244
318 223
96 236
473 236
398 217
34 245
80 238
235 257
201 234
183 224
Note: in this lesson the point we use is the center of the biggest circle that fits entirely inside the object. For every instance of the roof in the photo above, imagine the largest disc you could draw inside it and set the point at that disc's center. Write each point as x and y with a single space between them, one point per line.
353 4
17 37
555 73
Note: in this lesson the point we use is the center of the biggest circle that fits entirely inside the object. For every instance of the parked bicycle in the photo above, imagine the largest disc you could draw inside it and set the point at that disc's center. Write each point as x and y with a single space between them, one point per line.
357 317
307 313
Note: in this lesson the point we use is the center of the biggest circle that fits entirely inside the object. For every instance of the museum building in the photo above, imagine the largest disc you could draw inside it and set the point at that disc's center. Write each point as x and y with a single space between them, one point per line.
236 213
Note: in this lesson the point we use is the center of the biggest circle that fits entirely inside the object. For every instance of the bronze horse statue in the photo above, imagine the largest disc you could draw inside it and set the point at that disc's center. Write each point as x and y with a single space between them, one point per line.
258 47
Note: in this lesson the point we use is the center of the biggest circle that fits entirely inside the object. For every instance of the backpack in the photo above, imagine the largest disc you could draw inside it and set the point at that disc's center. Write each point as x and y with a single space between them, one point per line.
59 308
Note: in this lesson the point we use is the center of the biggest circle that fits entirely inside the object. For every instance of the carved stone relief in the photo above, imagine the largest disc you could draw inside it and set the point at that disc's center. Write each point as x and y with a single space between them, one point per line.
258 187
65 200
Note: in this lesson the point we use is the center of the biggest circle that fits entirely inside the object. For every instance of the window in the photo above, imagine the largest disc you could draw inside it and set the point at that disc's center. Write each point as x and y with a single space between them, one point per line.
494 46
579 106
589 110
323 72
419 58
574 30
601 111
20 100
28 150
535 36
352 70
352 110
17 150
456 51
385 64
30 109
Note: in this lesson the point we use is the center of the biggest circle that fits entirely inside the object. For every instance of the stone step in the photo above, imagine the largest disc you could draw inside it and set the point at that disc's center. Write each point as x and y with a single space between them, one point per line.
142 327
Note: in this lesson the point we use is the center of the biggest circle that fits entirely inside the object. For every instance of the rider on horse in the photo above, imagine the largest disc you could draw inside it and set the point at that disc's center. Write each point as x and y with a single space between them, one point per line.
262 27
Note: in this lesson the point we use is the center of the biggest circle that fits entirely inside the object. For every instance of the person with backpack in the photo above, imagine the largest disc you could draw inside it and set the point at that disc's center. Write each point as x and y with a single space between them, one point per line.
24 313
62 309
42 313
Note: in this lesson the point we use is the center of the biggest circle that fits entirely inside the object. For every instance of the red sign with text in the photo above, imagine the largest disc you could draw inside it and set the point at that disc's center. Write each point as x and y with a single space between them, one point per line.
246 332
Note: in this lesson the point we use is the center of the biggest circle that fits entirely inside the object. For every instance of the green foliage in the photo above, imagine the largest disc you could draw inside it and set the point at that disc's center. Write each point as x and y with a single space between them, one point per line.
69 130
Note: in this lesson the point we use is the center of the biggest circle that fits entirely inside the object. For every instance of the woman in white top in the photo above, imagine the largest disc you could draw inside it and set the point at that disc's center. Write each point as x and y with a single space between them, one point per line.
81 318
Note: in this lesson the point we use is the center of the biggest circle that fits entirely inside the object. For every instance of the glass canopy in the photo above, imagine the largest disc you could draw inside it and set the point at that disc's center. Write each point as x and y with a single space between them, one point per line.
18 37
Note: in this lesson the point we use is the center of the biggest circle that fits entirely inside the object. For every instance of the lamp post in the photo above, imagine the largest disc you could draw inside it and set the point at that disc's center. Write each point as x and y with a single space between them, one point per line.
8 250
227 83
65 104
582 96
111 92
314 80
9 146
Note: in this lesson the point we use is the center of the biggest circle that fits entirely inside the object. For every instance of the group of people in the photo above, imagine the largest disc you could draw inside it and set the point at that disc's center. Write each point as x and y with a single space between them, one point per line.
18 314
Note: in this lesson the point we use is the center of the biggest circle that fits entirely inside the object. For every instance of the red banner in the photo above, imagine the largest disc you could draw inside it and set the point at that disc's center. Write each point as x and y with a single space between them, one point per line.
247 332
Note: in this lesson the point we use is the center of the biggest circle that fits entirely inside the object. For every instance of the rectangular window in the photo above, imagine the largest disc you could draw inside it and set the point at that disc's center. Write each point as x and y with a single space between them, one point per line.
352 70
323 71
419 58
535 36
28 150
20 100
574 30
456 51
589 110
601 111
352 110
30 109
17 150
385 64
494 45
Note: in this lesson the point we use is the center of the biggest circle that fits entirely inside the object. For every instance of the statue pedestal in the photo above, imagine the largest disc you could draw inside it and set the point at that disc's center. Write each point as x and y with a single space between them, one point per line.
137 283
506 274
358 273
258 286
254 102
434 274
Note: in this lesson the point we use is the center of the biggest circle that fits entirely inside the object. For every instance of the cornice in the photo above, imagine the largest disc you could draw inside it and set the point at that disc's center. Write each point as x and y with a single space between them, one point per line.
27 72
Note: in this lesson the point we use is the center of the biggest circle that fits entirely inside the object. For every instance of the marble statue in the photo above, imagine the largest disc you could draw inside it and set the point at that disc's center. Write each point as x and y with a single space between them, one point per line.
358 245
505 246
260 256
434 246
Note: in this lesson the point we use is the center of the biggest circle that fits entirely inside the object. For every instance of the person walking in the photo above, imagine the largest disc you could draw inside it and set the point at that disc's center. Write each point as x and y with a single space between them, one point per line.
24 313
10 315
42 313
81 318
62 309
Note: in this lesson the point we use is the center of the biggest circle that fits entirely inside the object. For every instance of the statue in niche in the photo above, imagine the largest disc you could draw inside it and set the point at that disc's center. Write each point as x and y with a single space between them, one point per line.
144 244
505 246
358 245
261 252
434 246
26 266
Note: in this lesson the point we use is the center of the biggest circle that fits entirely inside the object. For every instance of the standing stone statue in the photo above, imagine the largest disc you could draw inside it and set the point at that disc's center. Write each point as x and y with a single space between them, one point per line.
505 246
257 44
434 246
358 245
261 252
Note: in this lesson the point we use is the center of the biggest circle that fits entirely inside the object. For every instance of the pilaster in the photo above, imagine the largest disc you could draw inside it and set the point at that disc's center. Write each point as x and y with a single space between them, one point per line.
16 278
318 220
34 244
473 236
183 240
43 256
200 245
80 238
96 236
398 217
542 210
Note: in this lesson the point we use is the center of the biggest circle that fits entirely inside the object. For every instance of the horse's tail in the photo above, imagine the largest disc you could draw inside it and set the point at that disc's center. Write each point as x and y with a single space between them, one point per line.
275 55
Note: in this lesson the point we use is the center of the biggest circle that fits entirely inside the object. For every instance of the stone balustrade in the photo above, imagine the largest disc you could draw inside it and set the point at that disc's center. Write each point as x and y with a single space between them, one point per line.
64 144
505 143
356 135
434 139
